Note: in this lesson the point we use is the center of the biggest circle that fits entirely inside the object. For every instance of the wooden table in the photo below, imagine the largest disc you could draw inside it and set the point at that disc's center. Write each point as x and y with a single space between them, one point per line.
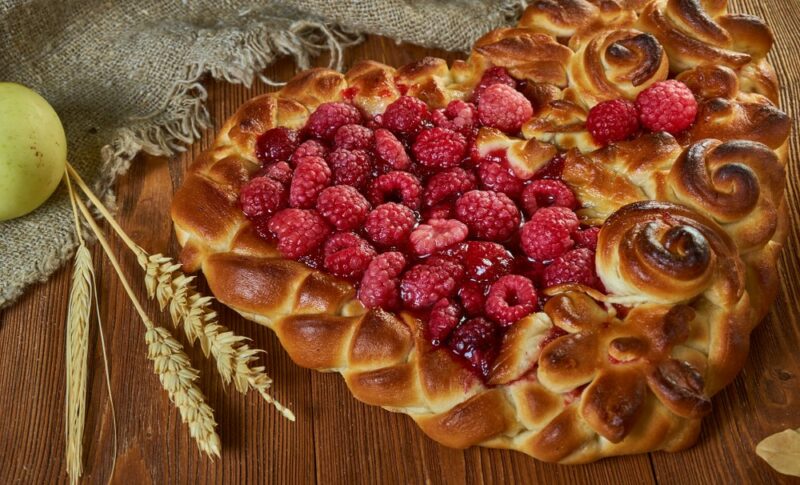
337 439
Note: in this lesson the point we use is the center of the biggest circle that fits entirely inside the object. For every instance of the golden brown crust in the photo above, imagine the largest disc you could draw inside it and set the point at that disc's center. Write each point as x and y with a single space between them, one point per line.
526 54
738 183
666 253
615 63
694 33
373 86
567 19
612 403
693 227
484 416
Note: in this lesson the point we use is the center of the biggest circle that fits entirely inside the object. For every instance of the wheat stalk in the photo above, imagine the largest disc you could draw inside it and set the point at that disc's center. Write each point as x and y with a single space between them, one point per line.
235 359
171 363
172 288
78 314
82 293
77 344
178 377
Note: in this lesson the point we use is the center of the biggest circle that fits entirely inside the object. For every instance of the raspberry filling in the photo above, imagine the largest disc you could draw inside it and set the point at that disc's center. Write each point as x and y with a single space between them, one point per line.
405 208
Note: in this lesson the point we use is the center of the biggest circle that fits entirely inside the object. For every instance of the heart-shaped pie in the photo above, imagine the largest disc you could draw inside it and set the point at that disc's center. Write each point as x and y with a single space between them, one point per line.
559 245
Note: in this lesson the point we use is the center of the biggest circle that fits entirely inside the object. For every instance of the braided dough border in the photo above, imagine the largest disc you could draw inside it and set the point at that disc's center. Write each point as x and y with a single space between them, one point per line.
383 357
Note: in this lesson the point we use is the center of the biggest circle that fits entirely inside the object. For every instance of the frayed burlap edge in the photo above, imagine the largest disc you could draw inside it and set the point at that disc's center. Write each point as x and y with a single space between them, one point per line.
168 132
302 40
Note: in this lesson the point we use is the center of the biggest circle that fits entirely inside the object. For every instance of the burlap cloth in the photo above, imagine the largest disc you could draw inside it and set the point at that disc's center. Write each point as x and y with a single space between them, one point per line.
124 77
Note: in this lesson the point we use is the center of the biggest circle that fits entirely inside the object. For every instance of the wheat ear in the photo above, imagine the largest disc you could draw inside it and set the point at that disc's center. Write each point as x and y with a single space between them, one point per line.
235 359
78 314
171 363
82 292
170 287
76 356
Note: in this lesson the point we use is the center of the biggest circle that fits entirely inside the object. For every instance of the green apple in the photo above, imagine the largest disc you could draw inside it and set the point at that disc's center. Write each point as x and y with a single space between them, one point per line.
33 150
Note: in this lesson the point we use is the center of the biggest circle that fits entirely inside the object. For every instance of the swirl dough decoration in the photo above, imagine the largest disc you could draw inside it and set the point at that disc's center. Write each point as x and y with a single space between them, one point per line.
737 183
584 378
614 64
665 253
621 47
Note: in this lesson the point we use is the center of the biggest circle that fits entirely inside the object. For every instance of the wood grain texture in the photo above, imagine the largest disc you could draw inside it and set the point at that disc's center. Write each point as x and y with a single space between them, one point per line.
336 438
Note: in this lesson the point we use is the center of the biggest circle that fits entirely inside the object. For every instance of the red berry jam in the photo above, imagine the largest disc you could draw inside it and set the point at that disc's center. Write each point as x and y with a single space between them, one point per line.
402 206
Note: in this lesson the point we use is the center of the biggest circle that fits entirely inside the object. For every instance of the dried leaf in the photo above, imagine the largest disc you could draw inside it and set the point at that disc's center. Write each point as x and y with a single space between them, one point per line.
782 451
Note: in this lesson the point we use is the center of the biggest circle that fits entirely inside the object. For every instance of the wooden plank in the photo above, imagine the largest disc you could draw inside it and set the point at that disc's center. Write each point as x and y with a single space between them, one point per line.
31 337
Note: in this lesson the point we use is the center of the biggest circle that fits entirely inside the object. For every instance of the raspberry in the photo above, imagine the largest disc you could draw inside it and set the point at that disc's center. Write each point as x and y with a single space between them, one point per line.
510 298
449 264
350 167
329 117
353 137
493 75
261 226
261 196
458 116
611 121
425 284
504 108
439 211
478 341
489 215
347 255
486 261
439 147
547 235
389 224
379 286
436 235
587 238
472 298
552 169
451 182
533 270
280 172
440 119
299 231
276 145
390 151
496 177
310 176
444 317
546 193
667 106
396 186
575 266
343 206
309 148
405 115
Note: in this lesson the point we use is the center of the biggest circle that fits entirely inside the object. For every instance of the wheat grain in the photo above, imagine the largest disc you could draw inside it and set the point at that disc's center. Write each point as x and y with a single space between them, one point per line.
80 299
83 291
170 287
77 331
235 359
178 377
171 363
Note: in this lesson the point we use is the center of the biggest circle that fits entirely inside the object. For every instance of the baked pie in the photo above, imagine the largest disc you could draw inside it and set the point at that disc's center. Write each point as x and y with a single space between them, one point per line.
559 245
